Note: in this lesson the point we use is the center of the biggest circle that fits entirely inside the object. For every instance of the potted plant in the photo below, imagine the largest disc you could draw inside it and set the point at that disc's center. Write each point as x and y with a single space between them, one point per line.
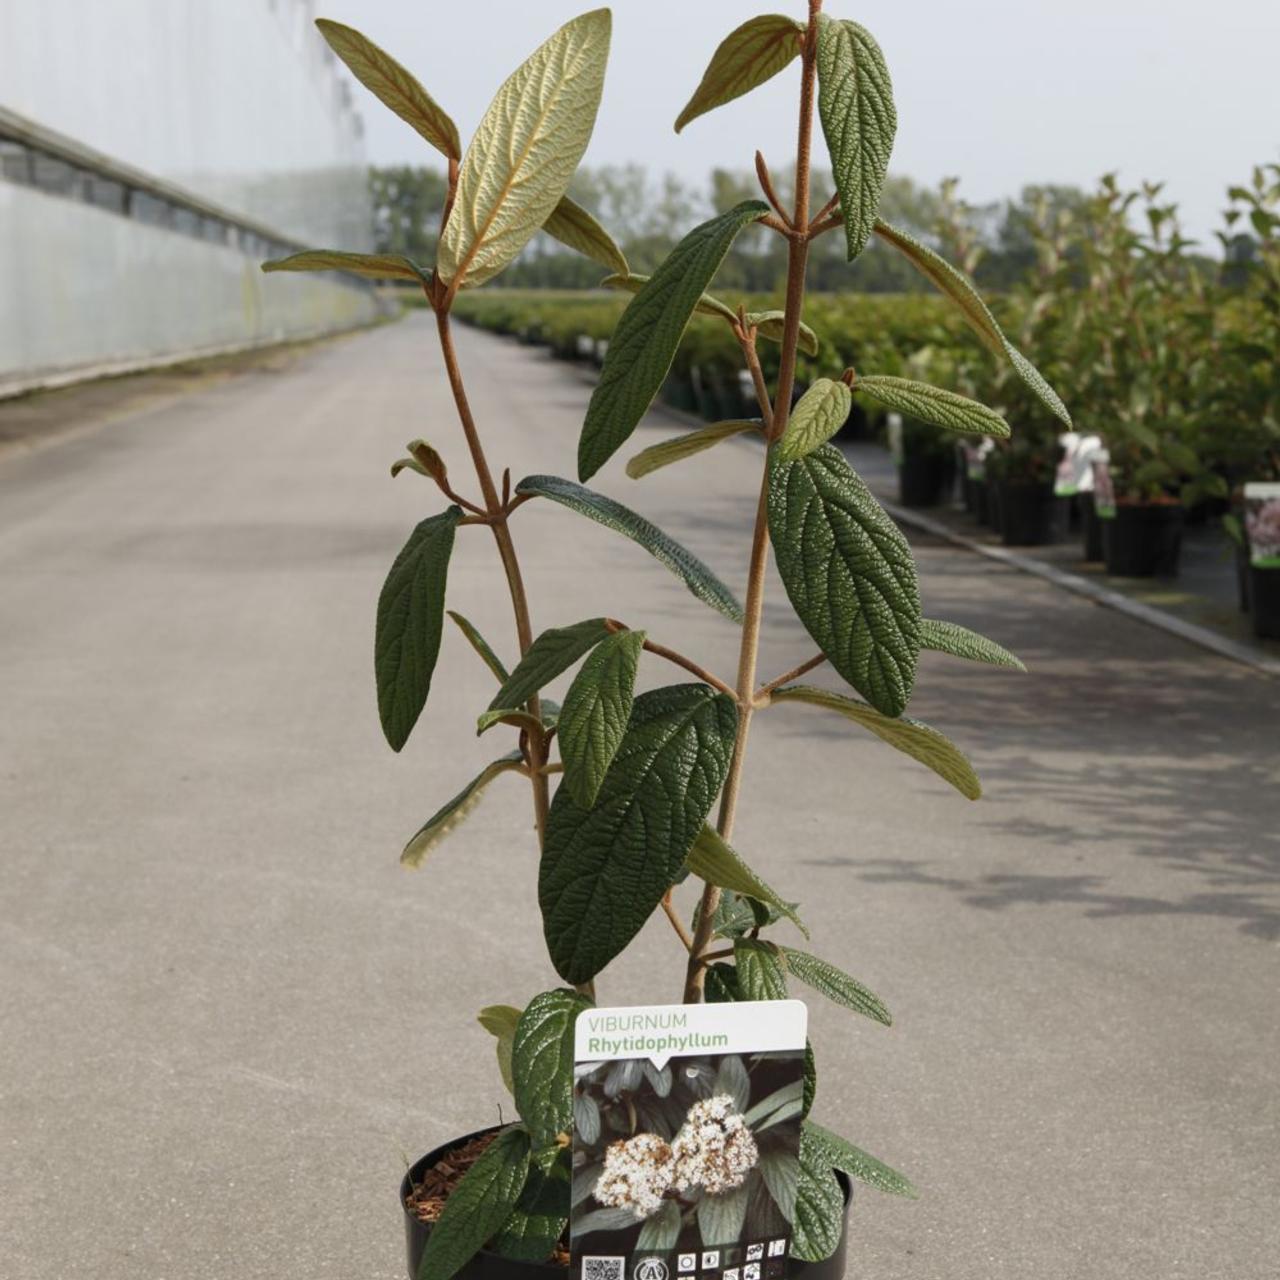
628 822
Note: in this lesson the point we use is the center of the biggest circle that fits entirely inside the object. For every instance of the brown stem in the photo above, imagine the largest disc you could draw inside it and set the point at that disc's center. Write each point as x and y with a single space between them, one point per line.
794 674
766 185
676 923
752 357
507 553
797 259
673 655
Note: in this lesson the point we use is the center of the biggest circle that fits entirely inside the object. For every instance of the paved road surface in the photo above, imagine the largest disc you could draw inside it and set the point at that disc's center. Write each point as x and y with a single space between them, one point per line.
226 1015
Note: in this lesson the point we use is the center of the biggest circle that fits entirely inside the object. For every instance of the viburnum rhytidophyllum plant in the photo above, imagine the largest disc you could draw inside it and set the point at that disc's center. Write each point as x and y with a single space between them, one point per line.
639 775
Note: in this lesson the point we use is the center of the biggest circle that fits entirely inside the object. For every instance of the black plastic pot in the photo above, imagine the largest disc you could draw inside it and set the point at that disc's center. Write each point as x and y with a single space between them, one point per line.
1143 540
1264 601
1242 577
1031 515
1090 527
489 1266
924 480
995 517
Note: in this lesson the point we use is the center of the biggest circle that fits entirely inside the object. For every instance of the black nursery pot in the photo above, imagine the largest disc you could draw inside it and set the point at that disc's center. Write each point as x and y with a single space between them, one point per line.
924 480
1090 528
1264 601
1143 540
489 1266
1242 577
1031 515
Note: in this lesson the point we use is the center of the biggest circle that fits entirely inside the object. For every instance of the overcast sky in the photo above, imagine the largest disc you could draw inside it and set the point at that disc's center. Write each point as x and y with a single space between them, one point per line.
998 92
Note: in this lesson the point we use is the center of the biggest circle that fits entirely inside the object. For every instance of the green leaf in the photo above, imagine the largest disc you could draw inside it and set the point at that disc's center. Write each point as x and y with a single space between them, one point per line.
732 1079
542 1063
743 61
940 273
500 1020
781 1105
848 573
372 266
676 450
386 79
621 519
781 1173
596 710
819 1216
537 1222
855 103
858 1164
836 985
760 972
478 1206
520 718
525 151
720 1218
661 1230
648 333
572 225
410 619
424 459
481 646
717 863
960 642
705 306
771 325
911 737
943 409
818 415
445 819
604 870
551 654
810 1080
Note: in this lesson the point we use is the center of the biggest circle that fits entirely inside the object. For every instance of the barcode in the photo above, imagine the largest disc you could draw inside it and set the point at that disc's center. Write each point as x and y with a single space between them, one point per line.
603 1268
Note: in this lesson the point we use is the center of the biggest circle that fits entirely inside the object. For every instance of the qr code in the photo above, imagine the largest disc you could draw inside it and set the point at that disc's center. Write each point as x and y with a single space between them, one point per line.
603 1268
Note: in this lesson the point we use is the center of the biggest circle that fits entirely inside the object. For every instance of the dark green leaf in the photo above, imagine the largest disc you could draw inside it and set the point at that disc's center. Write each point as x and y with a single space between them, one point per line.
604 870
721 984
810 1079
645 341
855 103
586 1119
960 642
848 573
781 1173
500 1020
747 57
595 713
551 654
844 1156
942 408
372 266
760 972
542 1063
718 863
939 272
410 618
705 306
446 818
836 985
820 413
621 519
547 719
481 646
538 1220
572 225
720 1217
783 1104
819 1217
911 737
681 447
478 1206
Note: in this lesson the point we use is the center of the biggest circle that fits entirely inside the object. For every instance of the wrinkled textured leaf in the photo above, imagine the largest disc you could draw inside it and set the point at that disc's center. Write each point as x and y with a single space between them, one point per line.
424 459
648 333
446 818
547 718
744 59
480 645
848 573
685 446
760 972
720 1218
621 519
781 1173
537 1222
844 1156
819 1216
525 151
836 985
478 1206
542 1063
943 409
551 654
410 619
386 79
705 306
500 1020
855 104
810 1079
911 737
660 1231
595 714
940 273
960 642
772 323
718 863
604 870
572 225
818 415
372 266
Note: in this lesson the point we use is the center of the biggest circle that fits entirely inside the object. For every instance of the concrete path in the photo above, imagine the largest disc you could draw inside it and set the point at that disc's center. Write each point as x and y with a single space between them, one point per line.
227 1017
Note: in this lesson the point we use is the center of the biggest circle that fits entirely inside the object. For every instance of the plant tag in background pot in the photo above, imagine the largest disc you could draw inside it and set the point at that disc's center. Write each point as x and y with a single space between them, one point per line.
686 1139
1262 523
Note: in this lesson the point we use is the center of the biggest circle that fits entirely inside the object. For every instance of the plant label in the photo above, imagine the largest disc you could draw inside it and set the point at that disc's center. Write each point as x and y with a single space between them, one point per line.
686 1140
1262 524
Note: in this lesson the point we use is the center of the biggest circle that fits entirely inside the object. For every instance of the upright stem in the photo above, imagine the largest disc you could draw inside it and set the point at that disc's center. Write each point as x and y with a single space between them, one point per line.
506 551
797 259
